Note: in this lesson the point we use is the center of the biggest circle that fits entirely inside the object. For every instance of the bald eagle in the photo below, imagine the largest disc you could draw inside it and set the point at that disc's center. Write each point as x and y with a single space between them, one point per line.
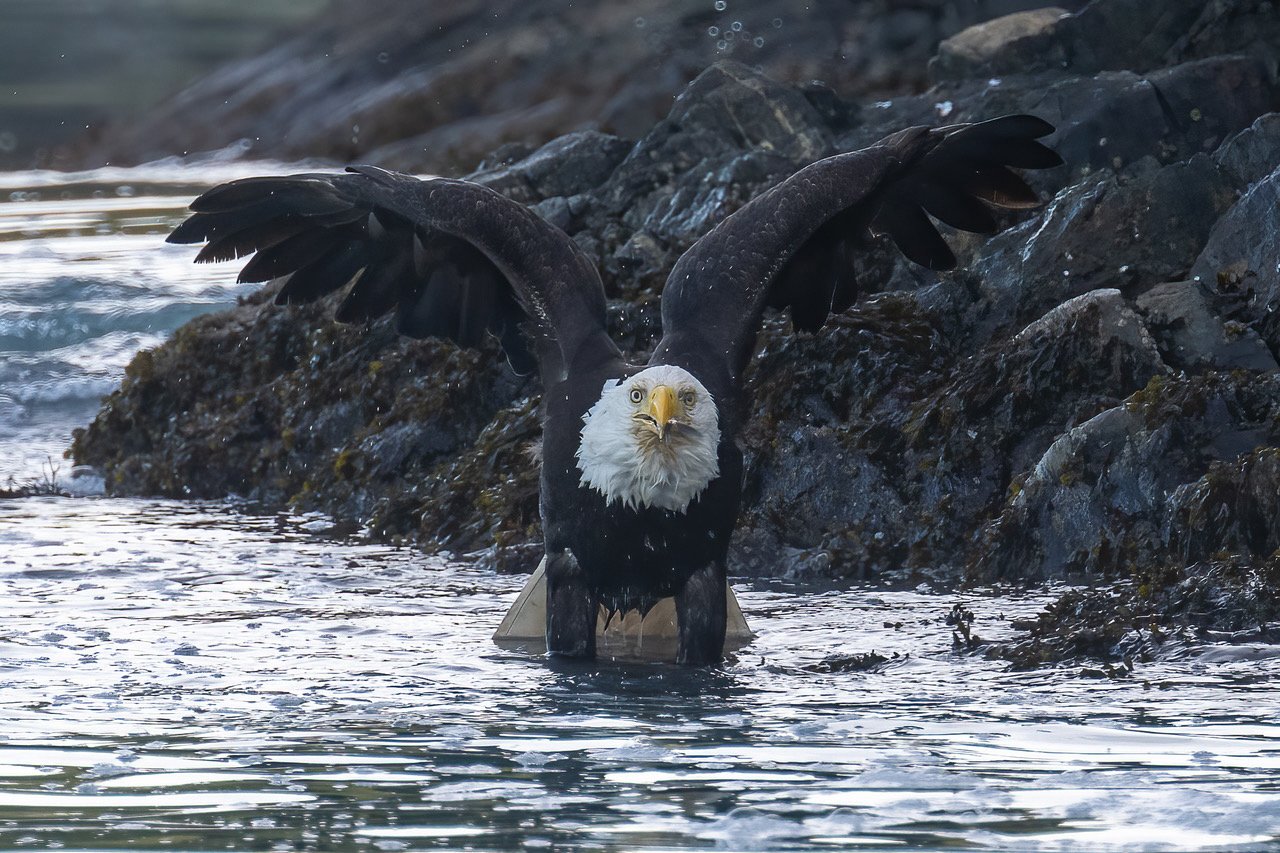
641 470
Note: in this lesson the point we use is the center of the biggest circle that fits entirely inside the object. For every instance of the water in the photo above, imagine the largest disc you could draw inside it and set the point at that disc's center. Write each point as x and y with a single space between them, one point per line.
179 676
86 280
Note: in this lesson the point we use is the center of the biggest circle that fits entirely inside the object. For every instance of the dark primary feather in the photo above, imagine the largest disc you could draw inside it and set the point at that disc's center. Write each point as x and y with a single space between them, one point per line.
790 247
451 259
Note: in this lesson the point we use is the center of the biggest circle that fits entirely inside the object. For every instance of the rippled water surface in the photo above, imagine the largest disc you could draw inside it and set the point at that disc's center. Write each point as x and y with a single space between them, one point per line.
193 677
86 280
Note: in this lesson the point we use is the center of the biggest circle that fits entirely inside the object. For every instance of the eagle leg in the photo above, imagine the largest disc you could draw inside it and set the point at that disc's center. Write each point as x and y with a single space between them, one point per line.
701 614
572 608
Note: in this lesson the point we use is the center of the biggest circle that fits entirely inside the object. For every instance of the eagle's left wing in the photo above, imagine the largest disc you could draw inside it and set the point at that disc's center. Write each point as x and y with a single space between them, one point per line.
790 247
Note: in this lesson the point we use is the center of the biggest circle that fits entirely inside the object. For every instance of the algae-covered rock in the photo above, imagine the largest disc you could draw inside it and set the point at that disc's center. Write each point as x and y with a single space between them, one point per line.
1192 337
1135 487
1108 631
875 447
1241 260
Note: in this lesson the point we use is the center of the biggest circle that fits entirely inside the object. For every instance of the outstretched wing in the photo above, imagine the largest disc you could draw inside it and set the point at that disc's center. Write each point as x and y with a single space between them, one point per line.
790 247
453 259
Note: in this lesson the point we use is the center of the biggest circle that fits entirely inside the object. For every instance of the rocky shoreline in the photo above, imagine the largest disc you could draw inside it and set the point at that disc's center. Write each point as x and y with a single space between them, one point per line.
1093 397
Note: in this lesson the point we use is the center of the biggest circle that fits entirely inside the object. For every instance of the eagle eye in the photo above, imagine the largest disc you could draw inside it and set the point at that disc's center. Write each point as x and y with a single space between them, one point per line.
689 397
636 395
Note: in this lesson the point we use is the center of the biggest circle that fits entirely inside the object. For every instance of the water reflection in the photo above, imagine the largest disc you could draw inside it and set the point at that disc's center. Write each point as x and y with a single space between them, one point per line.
189 677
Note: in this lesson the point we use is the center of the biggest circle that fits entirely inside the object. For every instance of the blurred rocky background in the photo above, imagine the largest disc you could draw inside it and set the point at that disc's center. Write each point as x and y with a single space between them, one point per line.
1093 396
68 67
438 86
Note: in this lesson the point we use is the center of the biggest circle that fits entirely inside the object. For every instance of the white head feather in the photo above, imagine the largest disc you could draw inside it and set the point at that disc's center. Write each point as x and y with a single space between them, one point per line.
627 456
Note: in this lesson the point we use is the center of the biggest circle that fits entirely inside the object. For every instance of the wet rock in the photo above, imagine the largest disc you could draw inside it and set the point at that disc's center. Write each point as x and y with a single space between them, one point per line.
1106 120
1103 36
1233 508
1087 626
1241 261
1107 631
971 440
732 133
1192 337
857 662
820 497
1249 27
1253 153
1006 44
1116 495
568 166
1132 230
872 452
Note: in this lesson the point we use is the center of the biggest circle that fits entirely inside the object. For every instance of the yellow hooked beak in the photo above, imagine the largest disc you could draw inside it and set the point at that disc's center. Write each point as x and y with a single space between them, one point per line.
663 407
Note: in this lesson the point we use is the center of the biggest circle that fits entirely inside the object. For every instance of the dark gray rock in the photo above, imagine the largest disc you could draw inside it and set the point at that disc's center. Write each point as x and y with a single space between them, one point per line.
1234 507
1241 260
1134 488
1106 35
883 454
1008 44
1129 231
1232 26
1230 598
1192 337
568 166
1106 121
1253 153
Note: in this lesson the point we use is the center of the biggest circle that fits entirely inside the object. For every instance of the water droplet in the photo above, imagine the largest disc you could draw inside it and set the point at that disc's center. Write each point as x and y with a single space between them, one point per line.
721 5
722 44
713 31
384 57
759 41
736 26
944 108
777 23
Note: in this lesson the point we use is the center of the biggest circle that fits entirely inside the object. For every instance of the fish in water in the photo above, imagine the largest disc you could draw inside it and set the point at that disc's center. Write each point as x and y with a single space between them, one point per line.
641 471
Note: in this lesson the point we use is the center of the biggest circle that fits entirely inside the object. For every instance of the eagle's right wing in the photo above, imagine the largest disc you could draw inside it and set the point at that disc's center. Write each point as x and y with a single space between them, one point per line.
453 259
790 246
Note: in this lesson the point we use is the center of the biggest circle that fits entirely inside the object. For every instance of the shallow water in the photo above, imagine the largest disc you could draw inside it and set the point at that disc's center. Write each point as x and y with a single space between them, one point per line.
86 280
194 677
187 676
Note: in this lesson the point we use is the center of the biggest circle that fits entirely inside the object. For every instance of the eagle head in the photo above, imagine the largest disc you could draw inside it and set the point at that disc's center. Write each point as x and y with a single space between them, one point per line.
651 440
